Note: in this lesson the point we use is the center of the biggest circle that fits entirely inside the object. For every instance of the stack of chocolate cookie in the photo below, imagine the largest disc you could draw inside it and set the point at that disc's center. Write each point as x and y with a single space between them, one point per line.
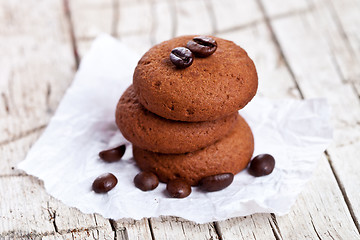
181 113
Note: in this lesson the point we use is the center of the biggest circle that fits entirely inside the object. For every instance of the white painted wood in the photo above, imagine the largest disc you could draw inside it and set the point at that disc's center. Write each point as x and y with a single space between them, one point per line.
30 70
345 55
134 18
178 228
232 14
276 8
130 229
346 13
35 72
309 55
254 227
86 234
262 50
346 161
24 207
14 152
192 18
320 211
164 20
32 78
66 218
91 18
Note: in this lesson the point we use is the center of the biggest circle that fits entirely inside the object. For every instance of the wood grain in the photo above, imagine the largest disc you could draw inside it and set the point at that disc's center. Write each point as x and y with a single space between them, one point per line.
301 49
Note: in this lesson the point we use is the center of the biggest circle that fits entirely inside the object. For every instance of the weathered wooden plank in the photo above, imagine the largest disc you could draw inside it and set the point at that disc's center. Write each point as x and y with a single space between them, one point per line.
309 55
192 17
346 15
27 210
277 8
346 161
125 16
254 227
28 65
86 234
134 18
164 21
14 152
345 56
320 212
232 14
272 71
71 219
178 228
91 18
130 229
39 67
24 207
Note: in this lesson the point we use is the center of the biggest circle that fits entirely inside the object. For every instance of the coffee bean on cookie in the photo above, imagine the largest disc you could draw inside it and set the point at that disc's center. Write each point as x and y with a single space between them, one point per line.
202 46
146 181
262 165
181 57
113 155
216 182
104 183
178 188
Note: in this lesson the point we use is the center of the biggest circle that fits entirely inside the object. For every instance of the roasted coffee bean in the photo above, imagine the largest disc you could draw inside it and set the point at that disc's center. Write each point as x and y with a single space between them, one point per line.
104 183
262 165
113 155
202 46
181 57
178 188
216 182
146 181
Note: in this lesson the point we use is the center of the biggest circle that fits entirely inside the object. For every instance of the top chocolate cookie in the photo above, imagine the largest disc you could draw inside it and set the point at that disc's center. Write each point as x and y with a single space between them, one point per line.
211 87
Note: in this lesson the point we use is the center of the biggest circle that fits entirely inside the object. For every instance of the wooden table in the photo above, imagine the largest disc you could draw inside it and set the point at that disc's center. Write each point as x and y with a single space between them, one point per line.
302 49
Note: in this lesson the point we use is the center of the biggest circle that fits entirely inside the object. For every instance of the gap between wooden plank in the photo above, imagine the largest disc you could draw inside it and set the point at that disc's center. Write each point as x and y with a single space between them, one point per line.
211 13
52 214
116 17
24 134
217 230
67 11
151 230
343 192
174 17
277 45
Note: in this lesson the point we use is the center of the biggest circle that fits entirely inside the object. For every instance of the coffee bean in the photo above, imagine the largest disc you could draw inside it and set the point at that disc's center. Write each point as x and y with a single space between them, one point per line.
178 188
181 57
146 181
104 183
202 46
262 165
113 155
216 182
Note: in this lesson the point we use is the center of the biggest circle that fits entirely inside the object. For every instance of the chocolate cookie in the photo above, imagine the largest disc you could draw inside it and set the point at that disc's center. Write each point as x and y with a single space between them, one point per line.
151 132
211 87
229 155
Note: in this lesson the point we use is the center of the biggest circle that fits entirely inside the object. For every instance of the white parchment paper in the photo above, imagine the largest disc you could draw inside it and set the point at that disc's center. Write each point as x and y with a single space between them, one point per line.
66 155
